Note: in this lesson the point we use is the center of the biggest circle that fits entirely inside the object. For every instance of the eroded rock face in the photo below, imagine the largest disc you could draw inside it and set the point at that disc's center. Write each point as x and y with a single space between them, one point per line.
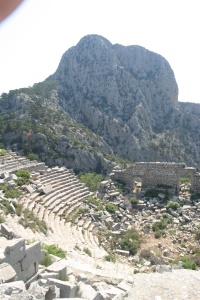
126 96
122 93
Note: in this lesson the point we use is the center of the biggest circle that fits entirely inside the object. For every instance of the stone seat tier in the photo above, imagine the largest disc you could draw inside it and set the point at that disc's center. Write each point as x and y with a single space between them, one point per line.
37 196
71 202
9 166
51 176
59 192
58 236
59 180
19 166
67 197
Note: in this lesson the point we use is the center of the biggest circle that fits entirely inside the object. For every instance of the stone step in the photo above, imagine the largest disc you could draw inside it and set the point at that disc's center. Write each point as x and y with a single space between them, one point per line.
59 191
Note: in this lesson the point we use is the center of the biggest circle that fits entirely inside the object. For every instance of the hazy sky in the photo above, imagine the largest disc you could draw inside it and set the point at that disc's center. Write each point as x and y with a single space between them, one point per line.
33 39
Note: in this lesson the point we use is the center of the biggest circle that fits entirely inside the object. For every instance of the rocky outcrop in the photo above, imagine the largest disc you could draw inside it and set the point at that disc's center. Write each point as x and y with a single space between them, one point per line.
129 96
126 96
122 93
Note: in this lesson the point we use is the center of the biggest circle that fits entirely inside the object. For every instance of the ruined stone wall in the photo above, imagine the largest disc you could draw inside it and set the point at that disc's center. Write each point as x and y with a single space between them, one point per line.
151 174
24 259
196 182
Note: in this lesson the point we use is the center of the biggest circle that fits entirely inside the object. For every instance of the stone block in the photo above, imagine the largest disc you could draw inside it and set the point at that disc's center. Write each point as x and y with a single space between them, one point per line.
31 271
27 274
33 254
67 289
6 231
46 189
122 252
59 267
163 268
48 275
12 290
7 273
125 286
29 188
17 267
85 291
14 251
16 284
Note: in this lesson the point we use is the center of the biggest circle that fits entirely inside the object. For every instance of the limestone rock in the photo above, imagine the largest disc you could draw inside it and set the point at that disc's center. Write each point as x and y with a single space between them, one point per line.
7 273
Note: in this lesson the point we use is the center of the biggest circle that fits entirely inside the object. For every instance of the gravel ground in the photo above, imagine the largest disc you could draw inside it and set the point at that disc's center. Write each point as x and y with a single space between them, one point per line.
175 285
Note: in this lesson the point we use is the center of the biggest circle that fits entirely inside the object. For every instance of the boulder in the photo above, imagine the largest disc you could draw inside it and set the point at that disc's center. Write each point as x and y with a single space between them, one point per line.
59 267
67 289
7 273
85 291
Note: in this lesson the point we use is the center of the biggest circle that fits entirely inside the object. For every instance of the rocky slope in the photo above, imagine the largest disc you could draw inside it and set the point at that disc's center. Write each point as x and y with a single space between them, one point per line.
33 122
126 96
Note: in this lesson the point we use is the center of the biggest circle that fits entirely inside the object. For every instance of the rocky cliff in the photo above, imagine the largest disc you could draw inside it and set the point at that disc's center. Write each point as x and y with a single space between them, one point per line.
128 97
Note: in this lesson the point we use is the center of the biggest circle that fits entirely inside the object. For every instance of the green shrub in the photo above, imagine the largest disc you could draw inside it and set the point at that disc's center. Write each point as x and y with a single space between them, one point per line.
6 207
165 216
33 156
87 251
33 222
12 193
2 219
93 200
21 181
147 228
172 232
129 241
2 152
110 257
158 233
23 177
195 196
134 201
77 214
173 205
159 225
184 180
111 208
152 193
23 174
18 208
46 261
187 263
54 250
92 180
